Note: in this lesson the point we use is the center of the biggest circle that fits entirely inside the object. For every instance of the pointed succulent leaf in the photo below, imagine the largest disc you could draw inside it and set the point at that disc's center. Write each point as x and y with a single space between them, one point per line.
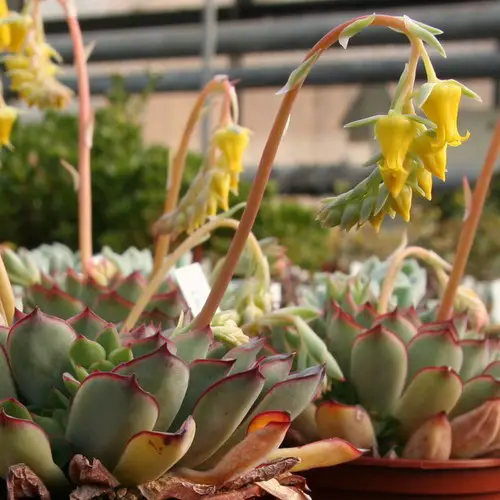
157 317
397 323
38 348
324 453
366 315
352 423
317 349
217 351
341 334
476 391
246 455
293 395
220 410
88 324
85 352
202 374
131 287
90 291
431 441
434 349
274 369
24 442
424 34
57 399
7 387
165 377
476 357
476 431
13 408
432 390
55 302
149 454
121 355
106 412
148 345
112 307
378 369
109 339
50 425
193 344
299 74
73 283
168 304
71 383
354 28
245 355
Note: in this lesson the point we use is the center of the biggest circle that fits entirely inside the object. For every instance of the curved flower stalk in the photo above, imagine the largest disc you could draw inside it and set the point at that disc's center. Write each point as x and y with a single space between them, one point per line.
219 174
151 410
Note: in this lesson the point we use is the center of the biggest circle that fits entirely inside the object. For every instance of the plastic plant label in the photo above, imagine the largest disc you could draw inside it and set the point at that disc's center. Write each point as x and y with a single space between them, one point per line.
276 294
194 286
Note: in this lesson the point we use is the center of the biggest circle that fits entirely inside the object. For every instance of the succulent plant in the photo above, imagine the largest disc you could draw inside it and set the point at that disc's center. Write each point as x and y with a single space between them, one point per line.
82 405
412 389
48 278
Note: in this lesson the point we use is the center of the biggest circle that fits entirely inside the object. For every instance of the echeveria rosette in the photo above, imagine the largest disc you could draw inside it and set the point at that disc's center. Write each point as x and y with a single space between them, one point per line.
412 388
75 396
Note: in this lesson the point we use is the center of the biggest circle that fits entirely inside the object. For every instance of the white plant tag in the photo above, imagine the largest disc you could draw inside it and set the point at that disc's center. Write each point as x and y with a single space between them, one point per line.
276 294
194 286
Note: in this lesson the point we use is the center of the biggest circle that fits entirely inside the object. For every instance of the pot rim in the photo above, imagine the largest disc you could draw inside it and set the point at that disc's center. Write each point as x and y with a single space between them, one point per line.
403 463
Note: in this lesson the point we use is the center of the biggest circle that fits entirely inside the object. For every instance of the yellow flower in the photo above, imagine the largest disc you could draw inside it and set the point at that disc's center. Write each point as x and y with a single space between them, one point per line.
395 133
376 220
18 31
402 204
232 142
441 107
8 116
432 155
424 180
5 37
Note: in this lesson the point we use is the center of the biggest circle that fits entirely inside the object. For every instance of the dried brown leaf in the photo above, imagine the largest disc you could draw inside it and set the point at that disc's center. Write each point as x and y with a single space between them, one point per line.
173 487
82 471
281 492
23 483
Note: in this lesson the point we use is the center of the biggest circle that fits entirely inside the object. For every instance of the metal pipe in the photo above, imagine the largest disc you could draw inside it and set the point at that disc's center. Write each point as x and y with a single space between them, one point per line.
481 65
464 22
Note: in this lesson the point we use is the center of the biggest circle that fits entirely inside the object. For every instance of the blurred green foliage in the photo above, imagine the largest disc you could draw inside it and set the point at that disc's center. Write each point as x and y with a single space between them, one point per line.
38 203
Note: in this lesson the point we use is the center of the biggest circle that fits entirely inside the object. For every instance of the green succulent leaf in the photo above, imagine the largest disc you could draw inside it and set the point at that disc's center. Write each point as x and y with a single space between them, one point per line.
85 352
131 287
106 412
112 307
476 358
101 366
148 345
88 324
165 377
38 349
275 369
23 441
203 373
71 383
13 408
54 301
236 394
398 324
121 355
7 387
439 348
193 344
432 391
379 365
109 339
245 355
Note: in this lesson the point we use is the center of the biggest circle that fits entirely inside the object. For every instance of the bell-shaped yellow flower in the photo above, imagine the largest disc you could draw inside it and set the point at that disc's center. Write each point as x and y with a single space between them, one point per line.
18 31
441 107
8 116
395 134
5 37
232 141
376 220
402 204
431 154
424 180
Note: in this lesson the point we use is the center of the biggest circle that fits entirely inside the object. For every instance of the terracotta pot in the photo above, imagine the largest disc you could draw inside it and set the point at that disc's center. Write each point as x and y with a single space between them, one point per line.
386 479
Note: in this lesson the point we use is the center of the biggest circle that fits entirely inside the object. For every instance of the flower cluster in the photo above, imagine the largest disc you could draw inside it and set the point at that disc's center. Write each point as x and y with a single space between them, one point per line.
31 63
413 148
210 189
